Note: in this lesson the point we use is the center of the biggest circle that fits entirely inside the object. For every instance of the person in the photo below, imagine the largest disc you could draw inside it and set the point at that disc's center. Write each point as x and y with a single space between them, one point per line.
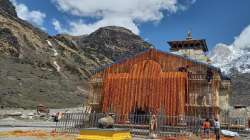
56 117
198 123
217 128
153 125
206 127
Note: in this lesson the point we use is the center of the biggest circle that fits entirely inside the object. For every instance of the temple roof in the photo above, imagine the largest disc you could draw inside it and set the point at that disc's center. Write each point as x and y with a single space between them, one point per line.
188 44
99 69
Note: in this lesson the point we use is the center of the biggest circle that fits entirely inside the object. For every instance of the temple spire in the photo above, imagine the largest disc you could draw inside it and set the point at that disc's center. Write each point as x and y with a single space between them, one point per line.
189 47
189 35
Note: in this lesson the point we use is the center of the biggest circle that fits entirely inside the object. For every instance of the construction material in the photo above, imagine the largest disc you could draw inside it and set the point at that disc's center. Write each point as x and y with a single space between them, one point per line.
229 133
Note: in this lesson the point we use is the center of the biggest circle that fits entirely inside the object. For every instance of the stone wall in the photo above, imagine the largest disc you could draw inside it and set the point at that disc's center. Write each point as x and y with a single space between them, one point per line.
192 53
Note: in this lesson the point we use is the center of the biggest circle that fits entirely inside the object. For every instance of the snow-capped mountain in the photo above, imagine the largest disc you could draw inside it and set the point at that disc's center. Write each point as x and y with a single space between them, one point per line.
234 60
233 57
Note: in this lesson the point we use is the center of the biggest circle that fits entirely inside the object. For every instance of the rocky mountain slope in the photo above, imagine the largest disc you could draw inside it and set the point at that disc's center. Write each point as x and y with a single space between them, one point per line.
234 60
241 89
52 70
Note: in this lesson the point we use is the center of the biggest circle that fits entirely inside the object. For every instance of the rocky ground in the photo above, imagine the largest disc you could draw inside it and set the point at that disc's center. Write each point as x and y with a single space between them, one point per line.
20 124
31 114
11 119
33 134
31 126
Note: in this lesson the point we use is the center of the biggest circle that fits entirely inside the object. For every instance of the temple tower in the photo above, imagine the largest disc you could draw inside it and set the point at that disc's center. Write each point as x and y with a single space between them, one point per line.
192 48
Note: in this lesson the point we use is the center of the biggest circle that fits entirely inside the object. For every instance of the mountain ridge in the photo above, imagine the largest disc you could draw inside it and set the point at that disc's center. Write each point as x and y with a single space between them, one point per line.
37 68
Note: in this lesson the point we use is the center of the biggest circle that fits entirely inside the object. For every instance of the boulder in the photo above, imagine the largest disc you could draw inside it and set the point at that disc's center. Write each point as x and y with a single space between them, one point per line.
106 122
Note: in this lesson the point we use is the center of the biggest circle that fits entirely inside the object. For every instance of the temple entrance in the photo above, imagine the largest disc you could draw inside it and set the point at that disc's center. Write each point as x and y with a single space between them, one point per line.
140 115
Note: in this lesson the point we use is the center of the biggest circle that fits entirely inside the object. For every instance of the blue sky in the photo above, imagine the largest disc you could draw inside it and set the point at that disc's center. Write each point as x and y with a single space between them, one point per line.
217 21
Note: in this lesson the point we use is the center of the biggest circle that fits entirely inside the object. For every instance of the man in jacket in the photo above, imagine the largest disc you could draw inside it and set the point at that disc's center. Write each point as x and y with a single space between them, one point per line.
217 128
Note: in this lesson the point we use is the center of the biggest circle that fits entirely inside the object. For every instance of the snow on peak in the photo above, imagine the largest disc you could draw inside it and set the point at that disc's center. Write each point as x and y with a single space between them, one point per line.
234 56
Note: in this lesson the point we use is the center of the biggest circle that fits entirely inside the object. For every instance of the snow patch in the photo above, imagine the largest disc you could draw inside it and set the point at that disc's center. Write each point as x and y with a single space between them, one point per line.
49 43
58 68
55 52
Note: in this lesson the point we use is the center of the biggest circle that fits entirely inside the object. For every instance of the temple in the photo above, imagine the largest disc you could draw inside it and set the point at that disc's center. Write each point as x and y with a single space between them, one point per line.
154 81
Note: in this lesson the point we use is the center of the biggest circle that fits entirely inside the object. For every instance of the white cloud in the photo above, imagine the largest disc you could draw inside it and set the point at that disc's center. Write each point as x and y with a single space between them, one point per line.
57 25
34 16
242 42
125 13
235 55
80 28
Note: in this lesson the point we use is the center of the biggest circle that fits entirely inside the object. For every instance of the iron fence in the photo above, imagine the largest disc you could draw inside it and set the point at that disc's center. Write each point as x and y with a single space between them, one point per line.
138 124
237 124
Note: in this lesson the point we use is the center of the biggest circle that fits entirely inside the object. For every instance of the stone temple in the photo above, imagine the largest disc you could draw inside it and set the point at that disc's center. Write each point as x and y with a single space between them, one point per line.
180 83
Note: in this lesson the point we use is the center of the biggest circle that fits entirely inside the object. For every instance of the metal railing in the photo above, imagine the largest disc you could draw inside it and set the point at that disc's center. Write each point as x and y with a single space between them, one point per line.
197 76
139 124
238 124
